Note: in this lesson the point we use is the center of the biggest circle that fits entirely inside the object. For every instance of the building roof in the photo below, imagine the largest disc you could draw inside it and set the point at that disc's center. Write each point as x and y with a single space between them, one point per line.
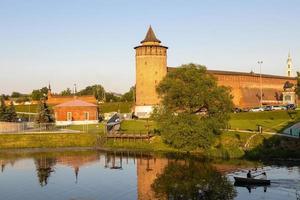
150 36
75 103
242 74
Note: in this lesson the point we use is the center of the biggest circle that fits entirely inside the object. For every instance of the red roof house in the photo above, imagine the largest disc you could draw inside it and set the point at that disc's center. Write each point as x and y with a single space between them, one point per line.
76 112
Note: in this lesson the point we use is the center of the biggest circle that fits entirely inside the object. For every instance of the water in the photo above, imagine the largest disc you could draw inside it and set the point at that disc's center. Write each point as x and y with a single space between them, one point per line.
91 175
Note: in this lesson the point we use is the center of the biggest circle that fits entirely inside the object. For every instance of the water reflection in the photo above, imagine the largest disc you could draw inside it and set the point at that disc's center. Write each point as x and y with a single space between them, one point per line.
121 175
192 180
44 168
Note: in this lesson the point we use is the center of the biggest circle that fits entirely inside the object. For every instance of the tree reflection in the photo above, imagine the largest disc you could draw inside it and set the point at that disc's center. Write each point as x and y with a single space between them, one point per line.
44 168
192 180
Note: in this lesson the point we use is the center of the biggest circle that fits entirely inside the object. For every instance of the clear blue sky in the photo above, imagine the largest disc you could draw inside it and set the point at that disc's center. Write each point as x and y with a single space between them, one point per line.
91 41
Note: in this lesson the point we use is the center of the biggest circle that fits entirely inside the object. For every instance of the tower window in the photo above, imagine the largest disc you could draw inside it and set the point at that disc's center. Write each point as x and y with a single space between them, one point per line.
145 62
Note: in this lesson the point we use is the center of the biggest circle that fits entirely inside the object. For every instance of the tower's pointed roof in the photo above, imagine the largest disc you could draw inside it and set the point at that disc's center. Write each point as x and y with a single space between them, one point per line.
150 36
289 57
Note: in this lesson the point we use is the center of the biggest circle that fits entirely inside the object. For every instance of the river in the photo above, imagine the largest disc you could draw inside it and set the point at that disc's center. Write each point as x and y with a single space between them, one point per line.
91 175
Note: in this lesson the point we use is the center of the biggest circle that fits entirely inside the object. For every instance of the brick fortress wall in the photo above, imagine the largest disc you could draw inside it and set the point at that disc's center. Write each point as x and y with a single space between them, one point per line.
245 87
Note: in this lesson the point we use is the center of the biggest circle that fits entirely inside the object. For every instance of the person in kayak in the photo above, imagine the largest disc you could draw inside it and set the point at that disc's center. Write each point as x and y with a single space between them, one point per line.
249 174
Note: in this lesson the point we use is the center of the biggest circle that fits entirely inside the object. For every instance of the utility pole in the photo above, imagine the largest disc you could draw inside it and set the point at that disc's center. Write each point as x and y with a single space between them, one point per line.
261 93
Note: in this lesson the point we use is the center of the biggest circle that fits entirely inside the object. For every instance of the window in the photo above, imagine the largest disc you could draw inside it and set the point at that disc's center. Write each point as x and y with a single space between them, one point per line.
86 115
287 98
69 116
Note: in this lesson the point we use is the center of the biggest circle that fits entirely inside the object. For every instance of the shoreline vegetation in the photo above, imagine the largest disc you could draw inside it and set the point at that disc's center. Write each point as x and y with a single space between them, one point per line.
227 145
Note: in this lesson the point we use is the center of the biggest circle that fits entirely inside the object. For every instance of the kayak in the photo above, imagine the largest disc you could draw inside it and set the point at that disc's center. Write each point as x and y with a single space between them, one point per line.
251 181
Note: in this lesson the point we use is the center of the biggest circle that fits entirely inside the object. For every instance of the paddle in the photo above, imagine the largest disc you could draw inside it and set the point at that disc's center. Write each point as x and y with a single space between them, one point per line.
257 175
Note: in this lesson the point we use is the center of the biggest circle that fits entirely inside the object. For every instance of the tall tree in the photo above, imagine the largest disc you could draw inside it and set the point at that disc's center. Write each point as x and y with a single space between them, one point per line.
39 93
16 94
129 96
45 113
66 92
3 109
111 97
7 114
194 108
298 84
11 113
96 90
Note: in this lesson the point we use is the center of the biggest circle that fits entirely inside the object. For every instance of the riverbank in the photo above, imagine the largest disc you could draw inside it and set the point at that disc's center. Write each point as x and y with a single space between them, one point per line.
228 145
233 144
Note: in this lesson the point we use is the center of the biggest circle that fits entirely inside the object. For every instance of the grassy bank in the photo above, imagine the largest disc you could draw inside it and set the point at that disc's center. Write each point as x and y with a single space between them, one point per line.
47 140
227 145
272 121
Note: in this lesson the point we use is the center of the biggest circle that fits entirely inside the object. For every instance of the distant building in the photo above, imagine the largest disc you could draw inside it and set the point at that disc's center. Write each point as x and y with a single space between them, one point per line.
151 68
76 112
54 99
289 66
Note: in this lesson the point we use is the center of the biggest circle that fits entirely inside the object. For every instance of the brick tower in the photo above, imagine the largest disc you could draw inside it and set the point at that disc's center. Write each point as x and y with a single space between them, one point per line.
151 68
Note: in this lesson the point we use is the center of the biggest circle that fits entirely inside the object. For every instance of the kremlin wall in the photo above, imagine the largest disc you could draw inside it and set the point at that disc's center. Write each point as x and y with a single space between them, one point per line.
246 88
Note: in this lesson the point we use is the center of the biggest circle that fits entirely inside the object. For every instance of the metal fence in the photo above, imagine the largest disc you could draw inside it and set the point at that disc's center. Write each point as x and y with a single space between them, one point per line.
28 127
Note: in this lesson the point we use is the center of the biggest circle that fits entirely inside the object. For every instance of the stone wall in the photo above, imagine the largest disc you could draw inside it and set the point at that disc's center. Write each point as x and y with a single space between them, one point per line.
245 87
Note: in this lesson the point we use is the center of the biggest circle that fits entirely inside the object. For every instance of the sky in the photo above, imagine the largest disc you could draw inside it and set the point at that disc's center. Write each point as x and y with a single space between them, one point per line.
91 41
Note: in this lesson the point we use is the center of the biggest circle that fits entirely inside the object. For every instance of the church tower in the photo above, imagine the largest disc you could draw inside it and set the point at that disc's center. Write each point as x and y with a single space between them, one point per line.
151 68
289 66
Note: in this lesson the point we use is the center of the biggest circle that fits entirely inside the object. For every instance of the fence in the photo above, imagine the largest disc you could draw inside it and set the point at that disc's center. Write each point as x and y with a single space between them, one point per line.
28 127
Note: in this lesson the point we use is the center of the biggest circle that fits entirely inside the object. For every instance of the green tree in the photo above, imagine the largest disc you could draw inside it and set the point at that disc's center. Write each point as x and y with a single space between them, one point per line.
3 110
129 96
66 92
39 93
6 97
96 90
298 84
11 113
111 97
7 114
16 94
194 108
44 113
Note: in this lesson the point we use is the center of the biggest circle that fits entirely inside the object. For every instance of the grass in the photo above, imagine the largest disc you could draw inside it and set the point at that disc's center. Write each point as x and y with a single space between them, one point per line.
27 108
137 126
123 107
272 121
48 140
89 128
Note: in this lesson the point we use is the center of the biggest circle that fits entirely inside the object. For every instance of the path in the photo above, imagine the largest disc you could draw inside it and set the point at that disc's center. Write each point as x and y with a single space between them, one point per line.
265 132
246 146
